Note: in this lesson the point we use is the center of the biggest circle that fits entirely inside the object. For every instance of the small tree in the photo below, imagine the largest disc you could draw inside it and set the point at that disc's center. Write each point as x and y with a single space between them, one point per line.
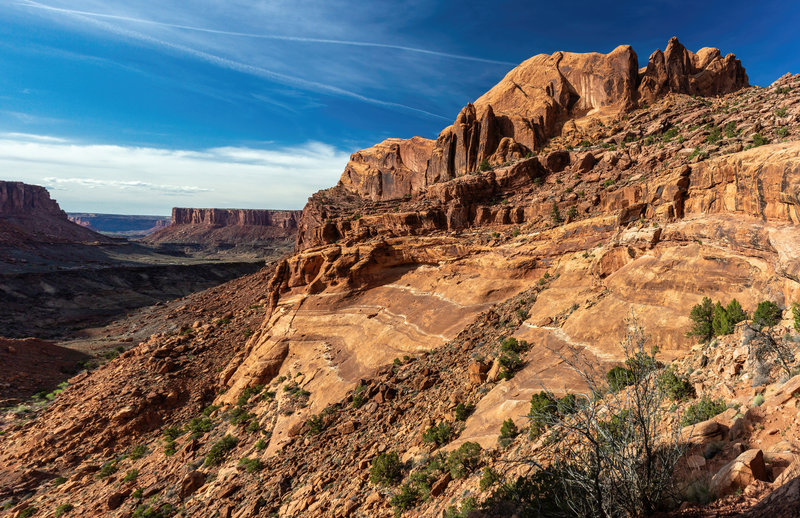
767 314
702 316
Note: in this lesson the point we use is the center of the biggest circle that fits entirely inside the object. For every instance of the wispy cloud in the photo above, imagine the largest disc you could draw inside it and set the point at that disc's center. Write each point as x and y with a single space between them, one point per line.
95 183
302 39
145 180
240 66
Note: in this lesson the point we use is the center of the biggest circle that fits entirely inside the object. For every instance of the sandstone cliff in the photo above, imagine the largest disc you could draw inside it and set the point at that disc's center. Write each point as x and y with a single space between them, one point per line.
530 106
213 228
28 216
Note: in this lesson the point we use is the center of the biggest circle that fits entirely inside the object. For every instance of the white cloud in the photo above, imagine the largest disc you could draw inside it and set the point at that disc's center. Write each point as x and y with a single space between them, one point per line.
146 180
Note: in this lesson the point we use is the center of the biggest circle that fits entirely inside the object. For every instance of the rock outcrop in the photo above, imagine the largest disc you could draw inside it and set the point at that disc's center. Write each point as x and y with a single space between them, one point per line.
29 217
24 200
531 105
679 70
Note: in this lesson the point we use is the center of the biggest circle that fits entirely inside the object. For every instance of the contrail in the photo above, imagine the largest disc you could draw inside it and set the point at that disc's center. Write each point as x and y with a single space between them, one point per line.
300 39
246 68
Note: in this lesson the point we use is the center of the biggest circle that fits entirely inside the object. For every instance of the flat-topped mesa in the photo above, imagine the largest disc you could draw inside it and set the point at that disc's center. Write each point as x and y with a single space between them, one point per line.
530 105
19 199
285 219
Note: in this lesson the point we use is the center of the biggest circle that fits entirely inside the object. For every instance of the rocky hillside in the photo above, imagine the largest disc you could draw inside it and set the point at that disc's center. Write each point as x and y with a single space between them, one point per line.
577 192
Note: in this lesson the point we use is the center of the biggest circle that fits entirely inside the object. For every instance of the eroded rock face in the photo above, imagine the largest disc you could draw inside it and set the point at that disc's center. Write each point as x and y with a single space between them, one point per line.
236 217
20 199
28 217
531 105
391 169
681 71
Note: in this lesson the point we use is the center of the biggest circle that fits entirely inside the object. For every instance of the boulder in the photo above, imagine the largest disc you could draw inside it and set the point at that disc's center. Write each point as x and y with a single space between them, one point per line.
703 432
739 473
193 481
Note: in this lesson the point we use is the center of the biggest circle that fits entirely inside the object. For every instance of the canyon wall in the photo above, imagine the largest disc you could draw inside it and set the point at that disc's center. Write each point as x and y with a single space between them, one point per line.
24 200
285 219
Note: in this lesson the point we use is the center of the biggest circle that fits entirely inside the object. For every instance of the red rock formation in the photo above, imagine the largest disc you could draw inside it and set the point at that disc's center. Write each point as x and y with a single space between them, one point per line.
21 199
252 227
530 106
679 70
28 216
235 217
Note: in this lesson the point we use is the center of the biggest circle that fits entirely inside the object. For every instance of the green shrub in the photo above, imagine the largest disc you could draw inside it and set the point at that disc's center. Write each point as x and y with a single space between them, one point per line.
759 140
198 426
220 450
715 135
572 212
137 495
261 444
543 407
510 363
508 430
406 499
63 509
464 460
161 511
670 134
210 409
489 478
780 112
608 183
108 469
796 316
359 396
251 465
315 424
137 452
240 416
27 512
677 388
59 480
730 129
386 469
758 400
782 132
484 165
618 378
247 393
464 411
467 505
253 427
131 475
703 410
438 434
767 314
555 214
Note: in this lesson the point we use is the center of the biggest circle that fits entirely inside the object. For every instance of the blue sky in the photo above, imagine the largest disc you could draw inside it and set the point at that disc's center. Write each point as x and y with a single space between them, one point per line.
135 107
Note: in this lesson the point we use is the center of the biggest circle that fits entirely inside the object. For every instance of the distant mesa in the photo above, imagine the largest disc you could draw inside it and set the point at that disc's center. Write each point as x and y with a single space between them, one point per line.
29 216
120 225
541 98
252 227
